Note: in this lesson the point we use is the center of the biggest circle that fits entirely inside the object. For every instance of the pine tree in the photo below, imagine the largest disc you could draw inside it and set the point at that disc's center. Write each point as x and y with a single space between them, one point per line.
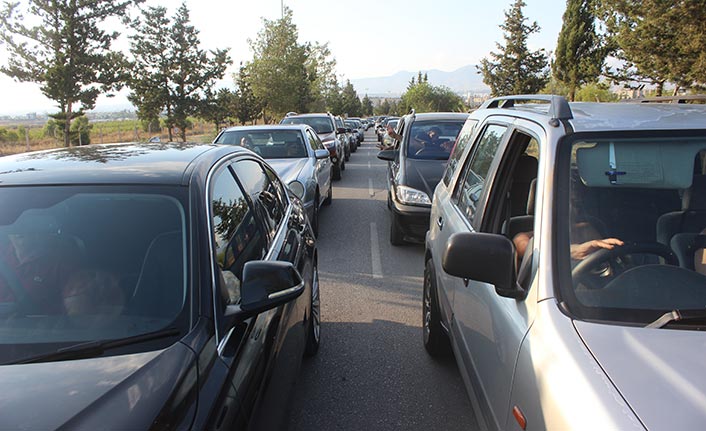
66 52
170 72
248 107
579 51
514 69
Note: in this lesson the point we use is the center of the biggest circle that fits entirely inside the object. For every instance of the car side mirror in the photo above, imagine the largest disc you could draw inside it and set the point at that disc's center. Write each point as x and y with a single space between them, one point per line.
321 154
340 130
348 130
485 257
387 155
266 284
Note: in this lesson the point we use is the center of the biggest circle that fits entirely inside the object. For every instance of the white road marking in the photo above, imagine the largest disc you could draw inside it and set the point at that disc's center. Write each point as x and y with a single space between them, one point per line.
369 165
370 187
375 251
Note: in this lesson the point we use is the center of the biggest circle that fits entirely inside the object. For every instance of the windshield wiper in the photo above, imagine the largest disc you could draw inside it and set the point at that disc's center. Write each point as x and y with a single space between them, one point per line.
679 316
94 348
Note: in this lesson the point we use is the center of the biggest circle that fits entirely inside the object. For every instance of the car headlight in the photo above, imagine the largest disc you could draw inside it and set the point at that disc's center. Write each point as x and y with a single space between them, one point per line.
410 196
329 144
297 188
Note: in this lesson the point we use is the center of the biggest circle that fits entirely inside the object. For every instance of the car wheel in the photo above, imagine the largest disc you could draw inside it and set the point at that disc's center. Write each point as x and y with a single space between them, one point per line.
313 339
436 342
329 197
315 217
343 164
336 174
396 234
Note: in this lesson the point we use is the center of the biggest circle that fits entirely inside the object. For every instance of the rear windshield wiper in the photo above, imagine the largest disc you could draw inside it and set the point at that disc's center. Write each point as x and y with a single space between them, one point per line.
684 316
94 348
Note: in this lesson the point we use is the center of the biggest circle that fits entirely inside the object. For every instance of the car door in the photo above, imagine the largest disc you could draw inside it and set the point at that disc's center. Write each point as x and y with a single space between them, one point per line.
491 327
394 166
323 166
441 212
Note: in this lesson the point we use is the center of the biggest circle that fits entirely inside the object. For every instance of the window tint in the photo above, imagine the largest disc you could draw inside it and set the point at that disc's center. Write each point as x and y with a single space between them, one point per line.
474 173
237 237
265 195
464 138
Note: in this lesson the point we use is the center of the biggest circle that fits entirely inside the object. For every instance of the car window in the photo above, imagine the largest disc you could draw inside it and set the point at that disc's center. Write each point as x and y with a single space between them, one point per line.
432 140
87 263
265 195
322 124
464 138
236 234
474 174
636 208
314 141
270 144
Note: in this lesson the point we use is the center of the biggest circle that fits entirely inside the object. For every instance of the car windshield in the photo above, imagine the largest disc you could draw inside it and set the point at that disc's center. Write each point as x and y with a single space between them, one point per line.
270 144
80 264
320 124
636 219
432 139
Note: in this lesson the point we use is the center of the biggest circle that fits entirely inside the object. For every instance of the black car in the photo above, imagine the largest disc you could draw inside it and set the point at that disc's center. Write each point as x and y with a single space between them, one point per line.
151 286
415 166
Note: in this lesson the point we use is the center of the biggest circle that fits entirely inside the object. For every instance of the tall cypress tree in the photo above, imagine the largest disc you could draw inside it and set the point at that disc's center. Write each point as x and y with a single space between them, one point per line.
579 51
514 69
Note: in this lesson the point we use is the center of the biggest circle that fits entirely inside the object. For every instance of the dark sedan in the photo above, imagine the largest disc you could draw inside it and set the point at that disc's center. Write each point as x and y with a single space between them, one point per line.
142 286
416 162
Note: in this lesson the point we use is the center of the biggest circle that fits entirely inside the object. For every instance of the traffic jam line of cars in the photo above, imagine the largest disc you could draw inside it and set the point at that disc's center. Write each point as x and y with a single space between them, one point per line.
176 285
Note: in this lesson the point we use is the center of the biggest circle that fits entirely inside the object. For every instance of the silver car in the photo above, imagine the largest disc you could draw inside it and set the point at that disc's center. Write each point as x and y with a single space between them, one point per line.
298 156
565 264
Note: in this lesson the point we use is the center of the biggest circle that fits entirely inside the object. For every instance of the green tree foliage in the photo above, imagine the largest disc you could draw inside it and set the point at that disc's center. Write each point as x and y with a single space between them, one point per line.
514 69
219 108
580 52
321 68
8 135
248 107
178 82
658 41
424 97
278 71
351 103
596 92
81 131
65 51
367 106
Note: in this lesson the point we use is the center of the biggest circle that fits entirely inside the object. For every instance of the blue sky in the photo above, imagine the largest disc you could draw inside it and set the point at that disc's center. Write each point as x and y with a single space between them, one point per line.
368 38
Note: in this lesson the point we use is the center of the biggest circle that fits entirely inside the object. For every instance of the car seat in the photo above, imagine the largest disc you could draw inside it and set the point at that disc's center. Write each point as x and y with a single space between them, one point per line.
685 245
692 217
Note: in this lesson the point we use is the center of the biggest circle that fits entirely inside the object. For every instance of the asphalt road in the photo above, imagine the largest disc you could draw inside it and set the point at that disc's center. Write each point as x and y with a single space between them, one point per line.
372 372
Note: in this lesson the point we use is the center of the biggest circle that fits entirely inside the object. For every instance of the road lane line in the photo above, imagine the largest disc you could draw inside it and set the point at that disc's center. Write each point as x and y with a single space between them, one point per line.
375 251
369 165
370 187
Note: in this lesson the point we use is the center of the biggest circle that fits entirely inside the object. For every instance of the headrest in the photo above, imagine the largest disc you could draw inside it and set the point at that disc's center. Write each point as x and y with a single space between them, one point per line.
694 198
531 196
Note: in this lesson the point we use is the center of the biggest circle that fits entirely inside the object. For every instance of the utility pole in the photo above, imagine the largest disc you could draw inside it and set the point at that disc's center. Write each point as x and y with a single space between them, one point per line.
281 2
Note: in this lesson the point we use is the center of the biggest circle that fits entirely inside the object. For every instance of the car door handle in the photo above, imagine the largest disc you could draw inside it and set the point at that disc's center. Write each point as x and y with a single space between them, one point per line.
440 223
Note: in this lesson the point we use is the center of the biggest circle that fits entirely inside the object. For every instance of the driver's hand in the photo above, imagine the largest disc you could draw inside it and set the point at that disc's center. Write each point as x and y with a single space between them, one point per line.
582 251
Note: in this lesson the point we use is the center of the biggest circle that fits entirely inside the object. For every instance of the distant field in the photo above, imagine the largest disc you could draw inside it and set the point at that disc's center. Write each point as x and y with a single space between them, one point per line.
30 136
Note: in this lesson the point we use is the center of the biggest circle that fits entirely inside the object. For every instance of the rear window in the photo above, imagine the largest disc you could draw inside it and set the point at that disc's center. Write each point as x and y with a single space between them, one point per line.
320 124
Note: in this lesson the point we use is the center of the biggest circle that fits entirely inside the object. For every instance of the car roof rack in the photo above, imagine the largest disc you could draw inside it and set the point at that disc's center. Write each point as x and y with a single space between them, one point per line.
559 108
686 98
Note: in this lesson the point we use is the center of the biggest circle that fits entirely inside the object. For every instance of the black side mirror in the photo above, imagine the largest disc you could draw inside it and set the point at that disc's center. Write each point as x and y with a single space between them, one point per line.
387 155
340 130
484 257
266 284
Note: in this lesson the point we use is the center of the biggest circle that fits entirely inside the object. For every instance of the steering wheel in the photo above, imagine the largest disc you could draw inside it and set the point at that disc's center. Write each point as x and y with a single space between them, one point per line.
584 269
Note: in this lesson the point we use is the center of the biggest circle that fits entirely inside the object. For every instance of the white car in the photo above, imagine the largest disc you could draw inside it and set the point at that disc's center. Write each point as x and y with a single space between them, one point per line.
561 264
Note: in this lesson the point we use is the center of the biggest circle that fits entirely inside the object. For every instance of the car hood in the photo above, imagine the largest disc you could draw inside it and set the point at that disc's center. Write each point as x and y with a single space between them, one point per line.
288 169
118 392
423 175
659 372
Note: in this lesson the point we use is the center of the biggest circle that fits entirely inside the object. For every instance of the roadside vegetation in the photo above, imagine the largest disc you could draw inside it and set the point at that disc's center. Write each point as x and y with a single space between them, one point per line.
644 47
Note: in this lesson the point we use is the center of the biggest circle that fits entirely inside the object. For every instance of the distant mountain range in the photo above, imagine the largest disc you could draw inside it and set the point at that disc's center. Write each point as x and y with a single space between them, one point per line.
463 80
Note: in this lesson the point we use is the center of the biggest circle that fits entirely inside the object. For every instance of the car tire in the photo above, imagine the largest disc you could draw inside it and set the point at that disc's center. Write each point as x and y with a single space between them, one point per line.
396 234
336 172
329 197
313 339
343 164
436 341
